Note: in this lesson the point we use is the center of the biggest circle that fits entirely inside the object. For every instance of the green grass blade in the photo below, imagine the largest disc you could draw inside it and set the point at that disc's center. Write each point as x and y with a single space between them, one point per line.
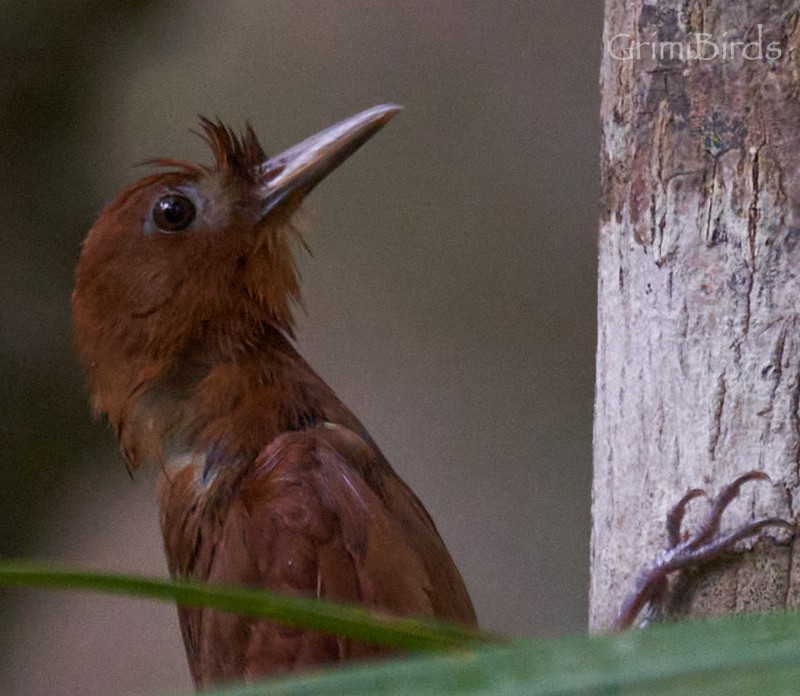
741 656
329 617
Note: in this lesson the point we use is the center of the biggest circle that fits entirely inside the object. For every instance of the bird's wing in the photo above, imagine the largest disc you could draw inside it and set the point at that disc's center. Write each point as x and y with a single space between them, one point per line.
322 514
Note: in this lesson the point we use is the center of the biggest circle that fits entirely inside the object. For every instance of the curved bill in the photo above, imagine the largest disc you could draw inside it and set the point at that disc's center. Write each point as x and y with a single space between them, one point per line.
301 167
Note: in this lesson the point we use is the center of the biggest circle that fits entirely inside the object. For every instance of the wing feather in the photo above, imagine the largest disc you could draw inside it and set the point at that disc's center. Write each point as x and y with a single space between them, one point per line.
322 514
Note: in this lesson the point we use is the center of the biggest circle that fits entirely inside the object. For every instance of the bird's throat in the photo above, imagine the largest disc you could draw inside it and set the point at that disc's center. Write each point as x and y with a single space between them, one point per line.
217 414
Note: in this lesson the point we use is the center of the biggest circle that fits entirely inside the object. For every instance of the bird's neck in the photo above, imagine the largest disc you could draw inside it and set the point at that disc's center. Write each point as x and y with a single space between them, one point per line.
214 411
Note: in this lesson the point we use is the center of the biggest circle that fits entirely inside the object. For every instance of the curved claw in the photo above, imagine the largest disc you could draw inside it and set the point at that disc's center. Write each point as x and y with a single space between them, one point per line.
693 556
753 528
676 514
651 586
730 491
710 527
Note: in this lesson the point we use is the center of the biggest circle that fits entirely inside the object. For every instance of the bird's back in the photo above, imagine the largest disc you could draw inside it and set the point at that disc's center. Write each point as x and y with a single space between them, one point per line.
318 513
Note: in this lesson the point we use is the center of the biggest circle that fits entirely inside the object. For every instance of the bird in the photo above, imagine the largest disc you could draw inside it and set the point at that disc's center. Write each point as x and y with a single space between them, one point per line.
185 291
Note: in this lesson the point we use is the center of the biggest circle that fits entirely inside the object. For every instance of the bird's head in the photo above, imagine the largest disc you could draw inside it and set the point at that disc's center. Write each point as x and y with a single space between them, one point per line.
199 255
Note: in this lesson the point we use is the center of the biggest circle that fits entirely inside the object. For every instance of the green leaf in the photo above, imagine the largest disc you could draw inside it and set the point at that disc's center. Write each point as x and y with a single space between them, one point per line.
740 655
743 655
340 619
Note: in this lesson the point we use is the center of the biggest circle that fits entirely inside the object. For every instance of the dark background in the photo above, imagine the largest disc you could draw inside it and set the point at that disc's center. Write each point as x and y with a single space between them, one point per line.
451 295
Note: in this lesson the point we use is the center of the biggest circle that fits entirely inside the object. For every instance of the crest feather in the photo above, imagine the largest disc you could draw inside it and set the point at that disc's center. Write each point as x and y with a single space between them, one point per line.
238 154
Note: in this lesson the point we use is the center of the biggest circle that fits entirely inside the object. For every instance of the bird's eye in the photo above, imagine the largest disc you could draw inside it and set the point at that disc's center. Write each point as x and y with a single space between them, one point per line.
173 212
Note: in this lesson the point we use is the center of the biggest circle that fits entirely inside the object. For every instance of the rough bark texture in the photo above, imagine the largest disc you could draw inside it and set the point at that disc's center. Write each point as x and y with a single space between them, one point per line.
698 362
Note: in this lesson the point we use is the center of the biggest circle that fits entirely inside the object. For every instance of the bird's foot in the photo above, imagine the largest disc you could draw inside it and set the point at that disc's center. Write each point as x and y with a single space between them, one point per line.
690 550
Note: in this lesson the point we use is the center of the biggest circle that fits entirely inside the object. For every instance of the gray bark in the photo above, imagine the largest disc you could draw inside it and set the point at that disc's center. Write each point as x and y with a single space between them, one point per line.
698 356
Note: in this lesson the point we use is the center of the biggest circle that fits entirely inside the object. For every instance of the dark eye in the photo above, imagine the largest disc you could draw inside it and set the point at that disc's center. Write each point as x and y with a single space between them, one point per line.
173 212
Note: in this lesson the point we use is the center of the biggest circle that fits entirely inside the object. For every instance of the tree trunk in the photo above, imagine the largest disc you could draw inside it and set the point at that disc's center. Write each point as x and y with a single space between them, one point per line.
698 355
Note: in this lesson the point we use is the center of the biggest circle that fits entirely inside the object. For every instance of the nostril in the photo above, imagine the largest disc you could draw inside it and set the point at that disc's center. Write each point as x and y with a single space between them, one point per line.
271 170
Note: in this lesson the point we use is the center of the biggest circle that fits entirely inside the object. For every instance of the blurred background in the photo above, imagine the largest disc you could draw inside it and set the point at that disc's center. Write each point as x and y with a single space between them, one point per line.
450 298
